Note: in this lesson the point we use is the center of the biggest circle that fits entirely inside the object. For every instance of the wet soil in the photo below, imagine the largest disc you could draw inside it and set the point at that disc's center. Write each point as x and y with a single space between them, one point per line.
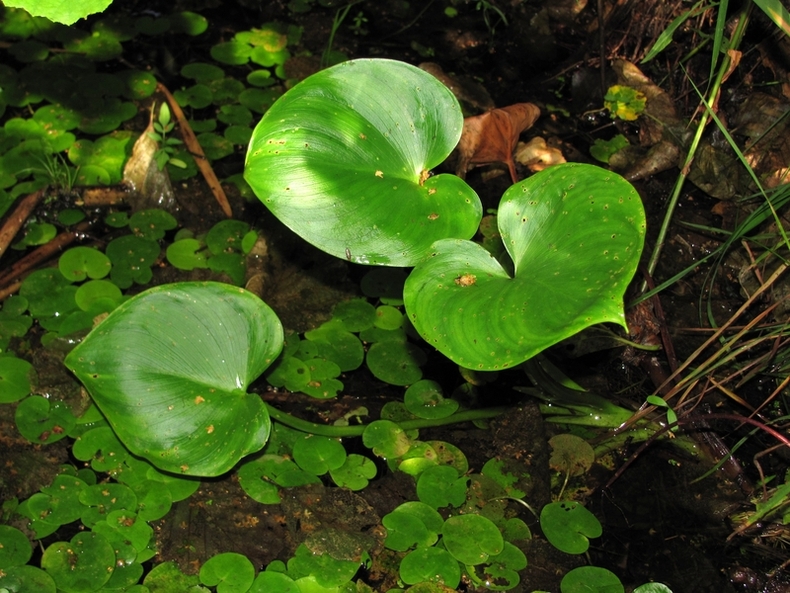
659 524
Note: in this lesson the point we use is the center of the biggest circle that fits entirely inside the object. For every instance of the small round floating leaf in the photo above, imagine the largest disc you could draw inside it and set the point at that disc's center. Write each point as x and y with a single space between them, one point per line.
238 134
652 588
503 568
334 343
259 100
472 539
152 224
137 84
432 565
235 114
202 72
15 374
574 233
440 486
70 216
568 525
356 314
417 459
355 472
388 318
449 454
318 454
82 565
102 448
226 236
345 167
15 549
197 96
169 370
132 258
591 579
234 52
215 146
98 296
228 572
189 23
386 439
260 78
571 454
26 578
63 505
270 581
168 578
186 254
80 262
289 372
41 420
424 399
102 499
396 363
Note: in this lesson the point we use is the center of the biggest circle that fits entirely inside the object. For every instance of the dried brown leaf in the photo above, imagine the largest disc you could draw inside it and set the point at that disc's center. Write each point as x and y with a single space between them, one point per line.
492 137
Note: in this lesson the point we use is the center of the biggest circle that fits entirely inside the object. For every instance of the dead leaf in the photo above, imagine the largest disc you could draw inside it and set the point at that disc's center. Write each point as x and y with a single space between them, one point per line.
537 155
149 186
492 136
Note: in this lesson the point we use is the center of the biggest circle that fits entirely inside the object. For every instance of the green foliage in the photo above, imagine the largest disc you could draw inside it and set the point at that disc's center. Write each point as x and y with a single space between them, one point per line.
61 12
602 150
149 344
167 146
352 178
624 102
568 526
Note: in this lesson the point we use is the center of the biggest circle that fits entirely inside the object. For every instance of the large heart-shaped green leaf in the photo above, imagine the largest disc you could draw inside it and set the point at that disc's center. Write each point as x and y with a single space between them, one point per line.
343 160
574 232
170 367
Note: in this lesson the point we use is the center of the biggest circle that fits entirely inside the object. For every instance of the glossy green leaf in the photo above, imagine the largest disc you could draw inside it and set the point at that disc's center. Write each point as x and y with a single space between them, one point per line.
15 376
60 11
432 565
424 399
82 565
568 525
26 578
395 362
170 367
41 420
228 572
318 454
355 473
591 579
441 486
15 549
346 166
472 539
574 233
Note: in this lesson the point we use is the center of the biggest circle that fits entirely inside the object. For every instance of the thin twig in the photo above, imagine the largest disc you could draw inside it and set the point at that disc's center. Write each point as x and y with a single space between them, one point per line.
18 218
194 147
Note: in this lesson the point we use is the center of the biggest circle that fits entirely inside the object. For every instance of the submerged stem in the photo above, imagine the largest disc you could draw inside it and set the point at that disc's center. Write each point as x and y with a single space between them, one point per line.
355 431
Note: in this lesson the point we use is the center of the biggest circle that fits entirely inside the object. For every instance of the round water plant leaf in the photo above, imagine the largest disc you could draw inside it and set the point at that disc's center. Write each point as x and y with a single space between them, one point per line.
82 565
169 370
574 233
15 376
26 578
229 572
346 167
571 454
80 262
472 539
395 362
355 473
568 525
15 549
424 399
440 486
430 564
41 420
318 454
591 579
385 438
